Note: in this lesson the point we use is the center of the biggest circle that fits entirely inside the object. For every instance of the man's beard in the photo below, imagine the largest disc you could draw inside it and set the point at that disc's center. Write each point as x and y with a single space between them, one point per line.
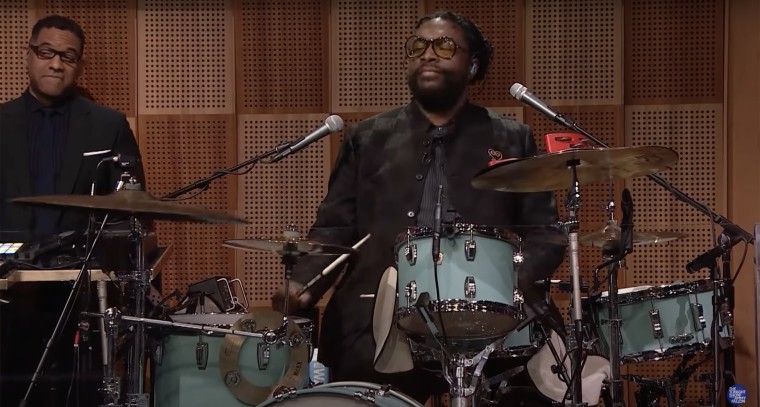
439 100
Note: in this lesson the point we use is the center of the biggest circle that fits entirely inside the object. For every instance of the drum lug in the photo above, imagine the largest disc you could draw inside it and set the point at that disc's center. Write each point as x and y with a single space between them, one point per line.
654 316
201 354
368 396
517 298
411 292
411 254
470 290
681 339
697 312
264 353
470 249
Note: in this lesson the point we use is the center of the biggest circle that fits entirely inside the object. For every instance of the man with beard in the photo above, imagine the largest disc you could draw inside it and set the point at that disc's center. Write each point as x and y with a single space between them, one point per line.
387 178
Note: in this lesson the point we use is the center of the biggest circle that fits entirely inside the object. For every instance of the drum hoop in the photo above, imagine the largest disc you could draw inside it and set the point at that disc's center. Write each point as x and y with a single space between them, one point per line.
673 351
662 292
491 232
373 386
453 305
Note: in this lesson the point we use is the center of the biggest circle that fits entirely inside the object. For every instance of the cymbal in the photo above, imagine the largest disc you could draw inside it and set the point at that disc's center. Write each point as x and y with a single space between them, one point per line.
611 233
132 202
550 172
287 246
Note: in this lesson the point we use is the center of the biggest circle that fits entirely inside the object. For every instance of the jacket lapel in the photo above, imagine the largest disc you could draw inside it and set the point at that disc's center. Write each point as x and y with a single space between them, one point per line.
15 148
80 131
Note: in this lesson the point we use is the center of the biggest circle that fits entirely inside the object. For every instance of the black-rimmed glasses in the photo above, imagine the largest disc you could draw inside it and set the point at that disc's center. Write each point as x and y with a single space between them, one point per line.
67 57
444 47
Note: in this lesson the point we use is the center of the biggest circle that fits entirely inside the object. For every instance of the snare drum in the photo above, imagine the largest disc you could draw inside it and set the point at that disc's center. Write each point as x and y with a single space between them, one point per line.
475 290
660 322
344 394
188 363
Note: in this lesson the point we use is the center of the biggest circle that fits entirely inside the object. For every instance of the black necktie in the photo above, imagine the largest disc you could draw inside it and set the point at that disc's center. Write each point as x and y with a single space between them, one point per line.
44 182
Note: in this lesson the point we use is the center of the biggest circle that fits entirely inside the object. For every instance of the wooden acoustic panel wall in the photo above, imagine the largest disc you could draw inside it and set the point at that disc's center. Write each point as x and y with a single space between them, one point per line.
367 58
695 132
573 53
282 55
673 51
109 25
186 54
18 18
177 151
274 196
502 24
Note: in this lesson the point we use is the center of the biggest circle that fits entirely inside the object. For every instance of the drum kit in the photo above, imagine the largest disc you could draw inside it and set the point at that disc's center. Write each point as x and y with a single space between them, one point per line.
457 308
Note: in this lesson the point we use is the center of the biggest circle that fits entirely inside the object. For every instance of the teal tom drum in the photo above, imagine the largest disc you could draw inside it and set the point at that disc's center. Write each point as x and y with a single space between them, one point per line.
475 293
661 322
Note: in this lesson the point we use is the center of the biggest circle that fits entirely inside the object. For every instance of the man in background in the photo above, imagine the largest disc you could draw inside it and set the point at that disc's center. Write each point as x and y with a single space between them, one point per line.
53 140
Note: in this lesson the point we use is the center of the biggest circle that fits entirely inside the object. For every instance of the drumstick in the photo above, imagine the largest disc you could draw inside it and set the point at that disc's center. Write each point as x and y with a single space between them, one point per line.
332 266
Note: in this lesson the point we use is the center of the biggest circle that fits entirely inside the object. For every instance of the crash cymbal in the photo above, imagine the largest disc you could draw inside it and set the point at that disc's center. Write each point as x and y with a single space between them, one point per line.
131 202
550 172
611 233
282 247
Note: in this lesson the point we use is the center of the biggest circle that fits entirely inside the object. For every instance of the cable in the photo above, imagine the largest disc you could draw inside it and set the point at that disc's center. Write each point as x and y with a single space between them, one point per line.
741 264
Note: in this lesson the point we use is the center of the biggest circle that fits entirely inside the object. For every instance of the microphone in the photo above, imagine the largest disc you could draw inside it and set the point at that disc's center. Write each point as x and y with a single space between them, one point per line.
705 260
437 226
123 160
332 124
522 94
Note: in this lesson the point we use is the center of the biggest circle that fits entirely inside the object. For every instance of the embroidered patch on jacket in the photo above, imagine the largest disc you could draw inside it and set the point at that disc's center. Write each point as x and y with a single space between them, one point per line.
494 154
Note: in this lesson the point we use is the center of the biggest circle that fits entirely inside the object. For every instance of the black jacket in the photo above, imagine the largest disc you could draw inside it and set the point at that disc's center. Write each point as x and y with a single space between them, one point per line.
376 187
92 128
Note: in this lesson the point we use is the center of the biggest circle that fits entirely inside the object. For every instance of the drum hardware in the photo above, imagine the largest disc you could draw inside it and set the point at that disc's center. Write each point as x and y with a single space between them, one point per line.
342 394
140 206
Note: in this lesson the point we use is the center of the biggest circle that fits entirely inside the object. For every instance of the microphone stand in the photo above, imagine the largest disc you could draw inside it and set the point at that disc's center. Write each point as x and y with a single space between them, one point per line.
734 234
203 183
67 307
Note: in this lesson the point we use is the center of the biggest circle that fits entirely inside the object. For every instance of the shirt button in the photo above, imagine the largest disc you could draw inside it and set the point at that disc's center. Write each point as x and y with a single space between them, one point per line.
410 214
418 177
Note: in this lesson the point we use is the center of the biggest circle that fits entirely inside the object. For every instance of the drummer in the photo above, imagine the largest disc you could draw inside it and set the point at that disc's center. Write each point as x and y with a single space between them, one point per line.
387 178
51 141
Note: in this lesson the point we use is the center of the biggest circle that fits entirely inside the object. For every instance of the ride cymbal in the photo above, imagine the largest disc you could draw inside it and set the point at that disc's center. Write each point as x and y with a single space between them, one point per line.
133 202
551 172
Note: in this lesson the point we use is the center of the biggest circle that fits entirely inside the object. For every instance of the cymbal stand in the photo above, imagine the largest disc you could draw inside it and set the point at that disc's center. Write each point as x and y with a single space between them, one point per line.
140 279
572 204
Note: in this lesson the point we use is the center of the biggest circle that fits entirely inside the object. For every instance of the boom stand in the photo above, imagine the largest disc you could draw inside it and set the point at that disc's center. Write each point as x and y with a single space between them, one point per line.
572 204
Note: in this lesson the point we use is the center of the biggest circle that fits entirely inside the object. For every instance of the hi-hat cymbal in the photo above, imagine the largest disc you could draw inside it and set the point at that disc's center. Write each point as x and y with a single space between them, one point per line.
550 172
287 246
611 233
132 202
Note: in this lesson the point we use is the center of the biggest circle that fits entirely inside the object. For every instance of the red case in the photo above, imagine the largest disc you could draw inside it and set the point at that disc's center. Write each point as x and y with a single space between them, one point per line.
556 142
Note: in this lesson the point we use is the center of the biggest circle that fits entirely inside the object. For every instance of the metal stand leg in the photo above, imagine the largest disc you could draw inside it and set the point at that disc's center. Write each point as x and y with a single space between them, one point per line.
136 395
616 383
111 389
572 204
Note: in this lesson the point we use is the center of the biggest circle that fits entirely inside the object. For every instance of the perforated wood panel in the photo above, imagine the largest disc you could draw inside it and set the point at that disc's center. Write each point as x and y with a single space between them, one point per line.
273 196
501 22
695 133
367 60
177 151
186 53
109 29
14 37
674 51
574 51
283 63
